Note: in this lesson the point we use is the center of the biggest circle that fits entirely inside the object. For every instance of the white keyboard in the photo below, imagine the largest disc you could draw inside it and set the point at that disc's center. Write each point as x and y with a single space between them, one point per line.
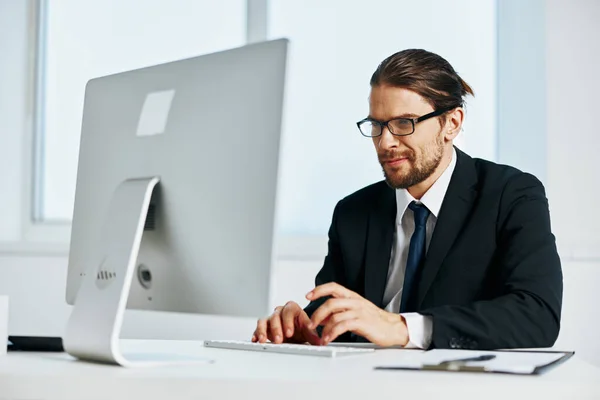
301 349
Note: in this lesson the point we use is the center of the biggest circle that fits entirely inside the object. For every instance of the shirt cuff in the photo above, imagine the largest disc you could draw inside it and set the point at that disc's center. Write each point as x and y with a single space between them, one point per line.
419 330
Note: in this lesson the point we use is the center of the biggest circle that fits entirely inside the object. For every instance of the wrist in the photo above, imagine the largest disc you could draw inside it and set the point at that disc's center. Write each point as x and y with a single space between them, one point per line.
402 330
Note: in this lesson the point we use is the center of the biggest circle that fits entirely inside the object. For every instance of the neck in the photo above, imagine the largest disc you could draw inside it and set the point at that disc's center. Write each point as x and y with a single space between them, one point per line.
417 191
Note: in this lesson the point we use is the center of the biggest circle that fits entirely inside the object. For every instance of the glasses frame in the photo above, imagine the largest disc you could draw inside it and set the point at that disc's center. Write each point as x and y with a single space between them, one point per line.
413 121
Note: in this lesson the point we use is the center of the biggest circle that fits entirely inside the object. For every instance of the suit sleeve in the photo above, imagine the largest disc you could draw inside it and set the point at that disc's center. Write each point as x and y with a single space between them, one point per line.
332 270
527 313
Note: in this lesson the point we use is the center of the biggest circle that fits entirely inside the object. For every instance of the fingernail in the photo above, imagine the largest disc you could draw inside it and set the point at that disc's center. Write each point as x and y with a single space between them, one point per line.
288 332
309 295
311 325
254 338
326 339
277 338
261 337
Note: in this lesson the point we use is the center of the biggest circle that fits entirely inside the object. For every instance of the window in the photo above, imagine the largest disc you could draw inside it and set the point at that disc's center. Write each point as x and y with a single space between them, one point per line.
86 39
335 47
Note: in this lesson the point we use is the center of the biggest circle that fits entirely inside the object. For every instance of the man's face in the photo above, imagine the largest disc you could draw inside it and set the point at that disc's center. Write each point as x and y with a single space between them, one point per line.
406 160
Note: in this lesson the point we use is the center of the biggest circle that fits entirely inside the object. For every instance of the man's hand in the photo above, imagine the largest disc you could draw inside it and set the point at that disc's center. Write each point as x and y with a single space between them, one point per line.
287 324
346 311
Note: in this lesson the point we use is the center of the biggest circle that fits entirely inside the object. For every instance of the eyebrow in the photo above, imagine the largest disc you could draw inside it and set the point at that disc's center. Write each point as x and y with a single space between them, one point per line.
405 115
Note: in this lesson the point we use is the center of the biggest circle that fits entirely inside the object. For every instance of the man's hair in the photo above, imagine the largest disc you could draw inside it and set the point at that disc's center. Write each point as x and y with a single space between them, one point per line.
425 73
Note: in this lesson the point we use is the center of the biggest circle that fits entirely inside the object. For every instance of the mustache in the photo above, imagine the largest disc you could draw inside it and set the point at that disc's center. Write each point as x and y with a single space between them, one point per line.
394 155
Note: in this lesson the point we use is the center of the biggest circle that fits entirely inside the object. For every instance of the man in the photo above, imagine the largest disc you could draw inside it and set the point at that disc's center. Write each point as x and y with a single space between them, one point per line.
448 252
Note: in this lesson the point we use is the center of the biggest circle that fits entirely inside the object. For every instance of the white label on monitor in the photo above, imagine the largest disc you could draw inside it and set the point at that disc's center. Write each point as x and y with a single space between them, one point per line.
155 113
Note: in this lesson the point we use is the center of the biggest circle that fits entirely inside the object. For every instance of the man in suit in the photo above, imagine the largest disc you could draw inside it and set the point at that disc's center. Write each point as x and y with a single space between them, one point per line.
448 252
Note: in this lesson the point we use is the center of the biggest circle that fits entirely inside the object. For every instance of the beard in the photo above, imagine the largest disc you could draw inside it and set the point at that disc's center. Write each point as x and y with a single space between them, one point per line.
419 169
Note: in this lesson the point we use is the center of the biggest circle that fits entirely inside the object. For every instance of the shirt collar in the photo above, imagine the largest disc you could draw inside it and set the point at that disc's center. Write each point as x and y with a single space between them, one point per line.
433 198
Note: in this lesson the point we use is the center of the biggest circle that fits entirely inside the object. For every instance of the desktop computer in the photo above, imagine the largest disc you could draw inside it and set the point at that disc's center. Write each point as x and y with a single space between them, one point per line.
175 203
208 129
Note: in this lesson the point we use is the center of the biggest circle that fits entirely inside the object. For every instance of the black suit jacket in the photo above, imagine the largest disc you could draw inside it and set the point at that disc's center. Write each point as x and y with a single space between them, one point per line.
492 276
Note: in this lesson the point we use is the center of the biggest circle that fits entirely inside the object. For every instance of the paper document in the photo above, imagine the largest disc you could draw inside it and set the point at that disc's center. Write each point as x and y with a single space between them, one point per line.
515 362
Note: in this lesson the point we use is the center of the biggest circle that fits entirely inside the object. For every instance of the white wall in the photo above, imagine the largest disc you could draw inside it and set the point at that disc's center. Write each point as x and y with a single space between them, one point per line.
579 323
573 84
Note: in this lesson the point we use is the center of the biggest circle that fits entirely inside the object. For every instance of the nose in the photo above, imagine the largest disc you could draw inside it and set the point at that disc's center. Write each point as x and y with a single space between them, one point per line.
387 140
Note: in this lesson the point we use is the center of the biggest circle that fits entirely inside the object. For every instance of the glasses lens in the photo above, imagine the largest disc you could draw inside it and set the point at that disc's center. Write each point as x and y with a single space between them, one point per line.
401 126
368 128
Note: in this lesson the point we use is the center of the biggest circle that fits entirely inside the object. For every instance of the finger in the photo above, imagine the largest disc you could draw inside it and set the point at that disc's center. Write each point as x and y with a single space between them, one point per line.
330 307
335 320
261 331
309 335
288 316
326 320
331 289
275 333
349 325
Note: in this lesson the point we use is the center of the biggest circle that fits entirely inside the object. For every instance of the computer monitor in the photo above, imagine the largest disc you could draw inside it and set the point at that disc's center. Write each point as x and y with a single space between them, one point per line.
180 161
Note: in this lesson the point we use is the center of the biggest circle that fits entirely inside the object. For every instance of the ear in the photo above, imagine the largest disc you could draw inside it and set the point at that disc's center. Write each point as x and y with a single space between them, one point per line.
453 125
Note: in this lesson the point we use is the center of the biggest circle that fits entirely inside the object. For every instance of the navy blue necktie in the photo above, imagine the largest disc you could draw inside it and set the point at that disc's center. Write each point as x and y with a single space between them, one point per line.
416 256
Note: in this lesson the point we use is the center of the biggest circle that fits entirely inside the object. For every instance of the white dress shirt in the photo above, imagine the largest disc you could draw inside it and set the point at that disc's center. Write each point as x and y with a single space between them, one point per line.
419 326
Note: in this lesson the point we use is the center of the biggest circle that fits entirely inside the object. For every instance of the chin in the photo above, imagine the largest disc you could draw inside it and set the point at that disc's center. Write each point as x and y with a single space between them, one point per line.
396 185
396 182
401 180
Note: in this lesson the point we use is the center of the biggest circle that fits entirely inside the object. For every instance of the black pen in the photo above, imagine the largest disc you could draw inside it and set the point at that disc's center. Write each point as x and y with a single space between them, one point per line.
486 357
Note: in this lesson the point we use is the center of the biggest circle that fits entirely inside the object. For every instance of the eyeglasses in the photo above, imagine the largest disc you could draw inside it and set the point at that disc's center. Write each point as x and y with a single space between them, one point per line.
398 126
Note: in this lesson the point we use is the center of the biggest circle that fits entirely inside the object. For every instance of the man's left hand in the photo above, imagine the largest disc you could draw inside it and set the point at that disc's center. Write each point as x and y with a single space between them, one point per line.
347 311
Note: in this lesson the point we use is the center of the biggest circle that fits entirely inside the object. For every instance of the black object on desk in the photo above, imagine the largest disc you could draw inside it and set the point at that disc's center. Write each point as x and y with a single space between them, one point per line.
486 357
35 343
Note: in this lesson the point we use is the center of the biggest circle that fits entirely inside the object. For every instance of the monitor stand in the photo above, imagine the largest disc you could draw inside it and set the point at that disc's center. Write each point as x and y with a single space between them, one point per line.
94 326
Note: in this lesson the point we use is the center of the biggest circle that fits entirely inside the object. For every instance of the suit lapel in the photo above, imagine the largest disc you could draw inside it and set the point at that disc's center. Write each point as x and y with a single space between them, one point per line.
380 233
456 208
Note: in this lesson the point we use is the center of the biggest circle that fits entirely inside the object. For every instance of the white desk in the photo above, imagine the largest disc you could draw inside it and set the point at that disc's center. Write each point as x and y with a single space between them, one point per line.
253 375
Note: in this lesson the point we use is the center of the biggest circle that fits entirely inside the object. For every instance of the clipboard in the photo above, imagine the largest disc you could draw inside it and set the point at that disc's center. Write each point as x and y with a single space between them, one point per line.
498 361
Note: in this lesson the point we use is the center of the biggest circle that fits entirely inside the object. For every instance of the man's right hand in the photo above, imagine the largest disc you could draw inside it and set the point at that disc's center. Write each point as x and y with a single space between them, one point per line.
287 324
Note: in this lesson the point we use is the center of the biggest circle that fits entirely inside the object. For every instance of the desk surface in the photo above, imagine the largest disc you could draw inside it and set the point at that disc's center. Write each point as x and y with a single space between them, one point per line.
242 374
